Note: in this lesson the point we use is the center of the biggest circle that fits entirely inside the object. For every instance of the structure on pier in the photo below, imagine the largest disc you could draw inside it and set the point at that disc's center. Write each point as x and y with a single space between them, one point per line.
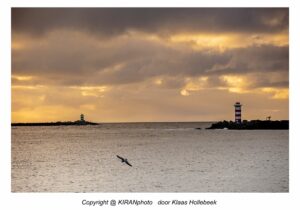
82 118
238 112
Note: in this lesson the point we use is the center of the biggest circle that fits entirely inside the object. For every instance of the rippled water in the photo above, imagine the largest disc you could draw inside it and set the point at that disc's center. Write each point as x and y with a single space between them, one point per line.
166 157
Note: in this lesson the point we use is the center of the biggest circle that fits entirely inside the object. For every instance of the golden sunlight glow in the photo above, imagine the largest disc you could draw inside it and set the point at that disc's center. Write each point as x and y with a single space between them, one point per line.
28 87
158 81
46 113
184 92
281 39
21 78
238 84
95 91
277 93
221 42
16 45
193 85
235 84
200 41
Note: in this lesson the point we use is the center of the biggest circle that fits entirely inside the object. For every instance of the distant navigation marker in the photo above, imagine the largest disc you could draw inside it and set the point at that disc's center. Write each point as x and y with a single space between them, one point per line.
238 112
82 118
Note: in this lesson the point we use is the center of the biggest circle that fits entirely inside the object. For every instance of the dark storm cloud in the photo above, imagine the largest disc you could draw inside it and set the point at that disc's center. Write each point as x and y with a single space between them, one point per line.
69 53
71 61
82 57
264 58
114 21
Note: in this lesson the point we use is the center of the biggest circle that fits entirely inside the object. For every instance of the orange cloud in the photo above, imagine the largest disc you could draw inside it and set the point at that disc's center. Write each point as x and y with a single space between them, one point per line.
277 93
21 78
223 41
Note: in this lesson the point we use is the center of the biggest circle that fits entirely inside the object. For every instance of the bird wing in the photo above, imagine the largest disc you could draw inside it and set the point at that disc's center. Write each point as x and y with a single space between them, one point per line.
128 163
120 157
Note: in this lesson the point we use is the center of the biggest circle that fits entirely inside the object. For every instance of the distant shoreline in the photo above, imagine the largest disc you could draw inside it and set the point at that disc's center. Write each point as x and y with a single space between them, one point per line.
55 123
245 125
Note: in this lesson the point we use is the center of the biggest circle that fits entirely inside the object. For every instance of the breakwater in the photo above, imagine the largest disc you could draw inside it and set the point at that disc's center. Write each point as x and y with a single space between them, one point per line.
55 123
252 125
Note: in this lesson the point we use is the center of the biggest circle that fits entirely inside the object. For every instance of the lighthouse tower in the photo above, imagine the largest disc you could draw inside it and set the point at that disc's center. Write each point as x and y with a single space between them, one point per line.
238 112
82 118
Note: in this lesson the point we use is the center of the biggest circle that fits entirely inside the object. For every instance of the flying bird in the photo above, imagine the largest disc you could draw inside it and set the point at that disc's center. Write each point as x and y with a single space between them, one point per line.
124 160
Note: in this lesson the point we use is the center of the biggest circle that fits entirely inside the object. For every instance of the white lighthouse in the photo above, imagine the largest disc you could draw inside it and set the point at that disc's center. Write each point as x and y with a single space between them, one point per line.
238 112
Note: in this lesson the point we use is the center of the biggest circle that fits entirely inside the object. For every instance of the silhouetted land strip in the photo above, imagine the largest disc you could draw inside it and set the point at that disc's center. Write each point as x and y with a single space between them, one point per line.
56 123
252 125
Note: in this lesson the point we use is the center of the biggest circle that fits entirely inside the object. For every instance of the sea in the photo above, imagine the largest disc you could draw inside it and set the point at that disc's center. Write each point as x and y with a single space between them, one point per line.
165 157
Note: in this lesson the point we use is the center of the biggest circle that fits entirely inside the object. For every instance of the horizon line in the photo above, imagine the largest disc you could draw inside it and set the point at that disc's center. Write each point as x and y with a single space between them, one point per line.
151 121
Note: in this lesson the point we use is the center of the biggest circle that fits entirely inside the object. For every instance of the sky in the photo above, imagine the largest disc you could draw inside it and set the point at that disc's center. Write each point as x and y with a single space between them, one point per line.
149 64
